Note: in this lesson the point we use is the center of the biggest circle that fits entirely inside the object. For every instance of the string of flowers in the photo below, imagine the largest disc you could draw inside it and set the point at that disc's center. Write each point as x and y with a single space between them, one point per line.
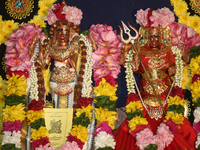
8 26
184 17
179 66
106 67
129 73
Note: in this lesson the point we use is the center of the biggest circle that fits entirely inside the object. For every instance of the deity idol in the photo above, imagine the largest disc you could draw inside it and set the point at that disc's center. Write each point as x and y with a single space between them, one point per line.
153 112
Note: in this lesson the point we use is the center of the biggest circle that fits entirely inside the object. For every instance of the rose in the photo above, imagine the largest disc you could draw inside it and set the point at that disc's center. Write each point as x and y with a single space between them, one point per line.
42 141
35 105
142 17
72 14
132 97
177 91
57 10
71 138
51 17
12 126
84 101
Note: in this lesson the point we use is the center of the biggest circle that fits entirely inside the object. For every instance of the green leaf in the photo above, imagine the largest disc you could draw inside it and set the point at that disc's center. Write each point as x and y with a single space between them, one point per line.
194 51
151 147
199 147
82 120
85 32
197 103
105 148
176 108
131 115
9 146
45 30
14 100
38 123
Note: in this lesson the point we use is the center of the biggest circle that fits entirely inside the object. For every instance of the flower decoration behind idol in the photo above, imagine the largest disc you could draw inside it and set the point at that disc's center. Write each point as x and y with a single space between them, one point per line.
106 67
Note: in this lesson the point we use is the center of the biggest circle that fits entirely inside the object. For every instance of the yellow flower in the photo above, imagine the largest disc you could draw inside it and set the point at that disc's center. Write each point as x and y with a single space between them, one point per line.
45 3
40 133
194 22
3 36
47 75
184 17
194 65
87 110
106 115
187 79
9 26
132 106
175 101
176 118
2 87
174 1
80 132
106 89
13 113
136 121
180 7
43 11
16 85
34 115
195 90
38 20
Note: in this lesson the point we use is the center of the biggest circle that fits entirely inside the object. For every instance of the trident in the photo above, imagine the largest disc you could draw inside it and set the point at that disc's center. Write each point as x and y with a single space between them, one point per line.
131 39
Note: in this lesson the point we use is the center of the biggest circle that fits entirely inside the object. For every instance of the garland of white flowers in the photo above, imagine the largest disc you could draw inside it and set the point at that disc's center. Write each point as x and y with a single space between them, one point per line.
179 66
87 81
33 75
12 138
129 73
196 120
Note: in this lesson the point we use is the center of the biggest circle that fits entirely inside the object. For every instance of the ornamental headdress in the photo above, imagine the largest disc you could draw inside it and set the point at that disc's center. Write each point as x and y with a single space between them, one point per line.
161 18
61 14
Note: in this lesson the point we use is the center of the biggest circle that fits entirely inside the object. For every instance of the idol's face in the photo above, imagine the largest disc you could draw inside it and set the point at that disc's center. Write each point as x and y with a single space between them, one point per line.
154 38
62 34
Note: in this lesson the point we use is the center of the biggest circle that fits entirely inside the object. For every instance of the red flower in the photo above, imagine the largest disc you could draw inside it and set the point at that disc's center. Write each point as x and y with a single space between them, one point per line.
42 141
25 72
109 78
35 105
177 91
195 78
85 101
71 138
132 97
57 11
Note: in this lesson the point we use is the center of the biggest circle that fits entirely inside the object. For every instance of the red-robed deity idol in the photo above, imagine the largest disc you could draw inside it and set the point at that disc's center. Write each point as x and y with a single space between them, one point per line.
155 116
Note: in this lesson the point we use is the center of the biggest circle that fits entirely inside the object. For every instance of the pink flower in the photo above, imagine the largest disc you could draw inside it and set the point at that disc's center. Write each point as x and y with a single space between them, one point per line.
70 146
72 14
41 142
103 126
12 126
45 147
196 127
162 16
51 17
142 17
164 133
71 138
138 129
172 126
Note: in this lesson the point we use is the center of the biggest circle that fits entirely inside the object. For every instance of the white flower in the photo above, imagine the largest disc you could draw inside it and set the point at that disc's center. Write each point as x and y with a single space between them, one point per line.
197 115
13 138
104 140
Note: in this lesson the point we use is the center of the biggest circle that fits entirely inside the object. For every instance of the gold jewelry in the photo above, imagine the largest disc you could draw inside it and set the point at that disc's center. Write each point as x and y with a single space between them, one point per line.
19 9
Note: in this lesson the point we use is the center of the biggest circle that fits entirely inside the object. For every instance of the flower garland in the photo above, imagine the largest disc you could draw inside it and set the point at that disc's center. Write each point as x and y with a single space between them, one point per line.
106 67
184 17
179 66
8 26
